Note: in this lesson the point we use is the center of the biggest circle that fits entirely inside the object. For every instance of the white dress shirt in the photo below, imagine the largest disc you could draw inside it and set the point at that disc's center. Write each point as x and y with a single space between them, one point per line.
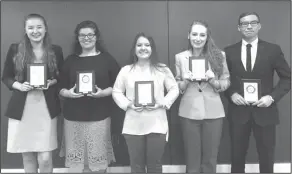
254 48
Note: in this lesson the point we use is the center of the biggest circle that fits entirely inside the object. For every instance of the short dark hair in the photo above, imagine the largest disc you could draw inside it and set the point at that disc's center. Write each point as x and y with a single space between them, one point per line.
247 14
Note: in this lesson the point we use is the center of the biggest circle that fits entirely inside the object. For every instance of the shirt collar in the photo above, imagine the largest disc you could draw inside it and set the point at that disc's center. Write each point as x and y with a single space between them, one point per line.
253 43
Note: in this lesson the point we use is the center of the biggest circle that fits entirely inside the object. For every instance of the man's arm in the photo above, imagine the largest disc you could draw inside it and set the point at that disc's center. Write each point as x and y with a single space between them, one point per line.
284 72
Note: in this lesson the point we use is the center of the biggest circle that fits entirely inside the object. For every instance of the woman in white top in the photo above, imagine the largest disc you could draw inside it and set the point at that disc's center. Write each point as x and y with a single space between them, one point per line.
201 110
145 128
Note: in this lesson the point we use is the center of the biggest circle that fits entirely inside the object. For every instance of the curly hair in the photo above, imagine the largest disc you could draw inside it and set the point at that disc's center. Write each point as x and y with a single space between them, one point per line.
99 46
153 57
26 55
210 50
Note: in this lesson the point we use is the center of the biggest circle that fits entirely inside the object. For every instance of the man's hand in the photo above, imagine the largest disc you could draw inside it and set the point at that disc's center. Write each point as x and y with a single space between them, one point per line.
265 101
238 99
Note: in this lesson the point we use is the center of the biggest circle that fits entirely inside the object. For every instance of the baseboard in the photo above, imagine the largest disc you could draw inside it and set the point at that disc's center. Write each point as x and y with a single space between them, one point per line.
221 168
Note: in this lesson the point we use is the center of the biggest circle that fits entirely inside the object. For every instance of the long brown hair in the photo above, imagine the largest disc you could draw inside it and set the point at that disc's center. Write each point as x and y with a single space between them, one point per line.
210 50
26 55
154 64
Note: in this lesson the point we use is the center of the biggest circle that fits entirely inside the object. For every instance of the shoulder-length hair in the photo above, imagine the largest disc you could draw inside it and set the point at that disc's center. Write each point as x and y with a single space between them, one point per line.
26 55
154 64
99 46
210 50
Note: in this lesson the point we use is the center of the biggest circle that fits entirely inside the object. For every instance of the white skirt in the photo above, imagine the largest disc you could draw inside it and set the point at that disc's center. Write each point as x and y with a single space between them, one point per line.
36 131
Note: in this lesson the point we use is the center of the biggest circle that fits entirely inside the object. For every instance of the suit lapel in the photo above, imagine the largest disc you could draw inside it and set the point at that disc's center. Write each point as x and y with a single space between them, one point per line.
260 52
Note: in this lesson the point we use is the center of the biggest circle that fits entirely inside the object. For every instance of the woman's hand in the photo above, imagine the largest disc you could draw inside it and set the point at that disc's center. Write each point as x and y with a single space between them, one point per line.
188 76
132 106
50 82
209 75
212 81
156 106
97 94
70 93
24 87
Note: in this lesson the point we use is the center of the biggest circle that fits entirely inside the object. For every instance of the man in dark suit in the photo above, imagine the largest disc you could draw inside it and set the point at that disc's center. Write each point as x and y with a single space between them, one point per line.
253 58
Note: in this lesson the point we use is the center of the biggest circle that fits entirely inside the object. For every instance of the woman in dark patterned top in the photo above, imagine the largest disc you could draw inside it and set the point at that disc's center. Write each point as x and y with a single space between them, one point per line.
32 124
87 117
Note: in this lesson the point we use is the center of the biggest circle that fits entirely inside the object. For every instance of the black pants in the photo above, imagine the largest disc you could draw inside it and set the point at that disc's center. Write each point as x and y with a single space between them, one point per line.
146 151
265 137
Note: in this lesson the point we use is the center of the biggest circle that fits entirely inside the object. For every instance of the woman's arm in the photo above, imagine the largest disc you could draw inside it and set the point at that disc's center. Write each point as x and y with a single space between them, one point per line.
113 69
8 75
182 83
223 82
60 61
171 87
63 78
119 89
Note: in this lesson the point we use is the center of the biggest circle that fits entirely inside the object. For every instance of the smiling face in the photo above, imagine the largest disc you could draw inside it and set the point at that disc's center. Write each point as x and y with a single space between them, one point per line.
249 27
35 29
143 48
198 36
87 38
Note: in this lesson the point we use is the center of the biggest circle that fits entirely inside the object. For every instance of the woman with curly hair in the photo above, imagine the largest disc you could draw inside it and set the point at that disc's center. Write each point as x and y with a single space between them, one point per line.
87 118
32 112
201 110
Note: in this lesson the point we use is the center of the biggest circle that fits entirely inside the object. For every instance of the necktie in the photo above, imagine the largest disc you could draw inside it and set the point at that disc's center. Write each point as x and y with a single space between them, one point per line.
248 58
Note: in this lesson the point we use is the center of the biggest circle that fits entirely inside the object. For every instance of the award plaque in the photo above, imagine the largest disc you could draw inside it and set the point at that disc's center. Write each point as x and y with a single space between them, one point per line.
198 66
144 93
251 89
85 83
37 75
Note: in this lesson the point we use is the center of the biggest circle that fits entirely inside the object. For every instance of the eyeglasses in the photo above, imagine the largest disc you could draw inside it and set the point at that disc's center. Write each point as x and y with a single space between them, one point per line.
252 23
89 36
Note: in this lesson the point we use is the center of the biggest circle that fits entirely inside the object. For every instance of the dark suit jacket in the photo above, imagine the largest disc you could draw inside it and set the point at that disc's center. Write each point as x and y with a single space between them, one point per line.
269 59
17 101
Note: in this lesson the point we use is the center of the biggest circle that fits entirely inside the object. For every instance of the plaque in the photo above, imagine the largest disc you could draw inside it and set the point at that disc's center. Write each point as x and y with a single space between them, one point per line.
251 89
37 75
198 66
85 82
144 93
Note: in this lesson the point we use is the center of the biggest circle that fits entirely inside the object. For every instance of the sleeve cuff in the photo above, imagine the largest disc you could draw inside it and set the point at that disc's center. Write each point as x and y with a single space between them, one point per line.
167 106
125 107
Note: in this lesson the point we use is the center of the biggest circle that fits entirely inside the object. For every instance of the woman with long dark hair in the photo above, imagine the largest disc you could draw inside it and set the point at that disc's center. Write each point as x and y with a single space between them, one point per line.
201 110
145 128
32 112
